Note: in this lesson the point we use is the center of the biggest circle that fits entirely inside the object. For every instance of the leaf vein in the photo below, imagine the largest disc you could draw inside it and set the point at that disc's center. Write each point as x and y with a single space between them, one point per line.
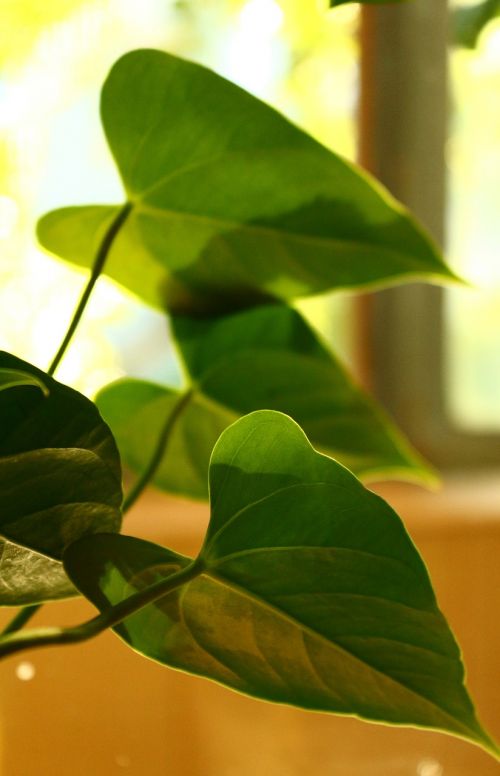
255 598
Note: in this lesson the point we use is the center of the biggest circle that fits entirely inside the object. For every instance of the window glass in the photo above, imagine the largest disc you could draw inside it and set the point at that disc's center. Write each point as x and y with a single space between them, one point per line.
473 314
53 58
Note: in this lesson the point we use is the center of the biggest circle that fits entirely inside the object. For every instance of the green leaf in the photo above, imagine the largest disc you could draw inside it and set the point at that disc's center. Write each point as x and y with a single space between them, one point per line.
468 22
60 479
310 591
264 358
137 411
231 204
29 577
10 378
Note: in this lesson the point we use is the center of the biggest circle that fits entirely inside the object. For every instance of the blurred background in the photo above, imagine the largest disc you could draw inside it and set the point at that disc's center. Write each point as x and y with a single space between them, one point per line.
311 65
55 56
54 59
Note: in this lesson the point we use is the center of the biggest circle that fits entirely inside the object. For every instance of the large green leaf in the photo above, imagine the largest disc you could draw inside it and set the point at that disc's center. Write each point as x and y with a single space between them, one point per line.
60 479
230 202
264 358
309 590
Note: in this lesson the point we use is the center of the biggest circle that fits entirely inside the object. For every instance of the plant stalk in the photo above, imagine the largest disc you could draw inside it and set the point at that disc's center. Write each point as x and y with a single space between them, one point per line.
159 451
27 612
43 637
20 619
97 269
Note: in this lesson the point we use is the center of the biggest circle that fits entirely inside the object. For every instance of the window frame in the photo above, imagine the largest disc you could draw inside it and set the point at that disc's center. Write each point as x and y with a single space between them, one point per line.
403 132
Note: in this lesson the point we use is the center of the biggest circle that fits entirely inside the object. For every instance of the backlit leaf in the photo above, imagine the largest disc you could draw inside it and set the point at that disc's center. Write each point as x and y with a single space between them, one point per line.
309 590
137 410
264 358
231 203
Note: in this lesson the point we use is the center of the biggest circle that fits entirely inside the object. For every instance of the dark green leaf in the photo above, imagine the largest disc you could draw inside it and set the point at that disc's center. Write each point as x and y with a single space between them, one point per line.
264 358
310 591
60 479
230 202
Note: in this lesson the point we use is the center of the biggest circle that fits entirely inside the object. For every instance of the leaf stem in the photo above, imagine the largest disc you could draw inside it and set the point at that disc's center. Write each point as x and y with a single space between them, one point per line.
43 637
20 619
97 269
158 452
27 612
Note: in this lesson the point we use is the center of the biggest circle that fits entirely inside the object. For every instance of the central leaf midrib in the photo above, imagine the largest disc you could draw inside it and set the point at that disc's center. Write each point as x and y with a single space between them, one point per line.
255 598
318 548
205 551
345 245
172 174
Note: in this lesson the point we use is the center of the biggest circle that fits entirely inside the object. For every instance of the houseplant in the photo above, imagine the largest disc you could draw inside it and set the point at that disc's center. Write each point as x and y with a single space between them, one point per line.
297 551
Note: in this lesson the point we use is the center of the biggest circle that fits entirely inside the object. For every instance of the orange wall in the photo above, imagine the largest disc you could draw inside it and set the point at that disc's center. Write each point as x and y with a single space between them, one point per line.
97 709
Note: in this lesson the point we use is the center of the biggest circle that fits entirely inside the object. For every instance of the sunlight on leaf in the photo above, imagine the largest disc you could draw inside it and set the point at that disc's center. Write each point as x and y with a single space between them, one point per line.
310 591
232 204
269 358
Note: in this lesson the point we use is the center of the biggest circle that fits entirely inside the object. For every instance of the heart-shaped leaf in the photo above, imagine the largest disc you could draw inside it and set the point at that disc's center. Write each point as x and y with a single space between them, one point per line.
309 590
60 479
264 358
230 203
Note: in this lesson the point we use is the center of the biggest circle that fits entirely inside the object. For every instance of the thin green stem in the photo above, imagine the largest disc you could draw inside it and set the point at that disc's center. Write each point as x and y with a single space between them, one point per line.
43 637
28 611
97 269
20 619
158 452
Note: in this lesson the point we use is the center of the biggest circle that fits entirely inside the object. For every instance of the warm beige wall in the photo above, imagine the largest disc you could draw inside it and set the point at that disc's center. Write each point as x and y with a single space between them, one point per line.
98 709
